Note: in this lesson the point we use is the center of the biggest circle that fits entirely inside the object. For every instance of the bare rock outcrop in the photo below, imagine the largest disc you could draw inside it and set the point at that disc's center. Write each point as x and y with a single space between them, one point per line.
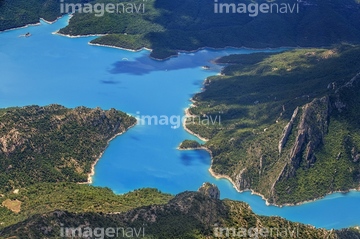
242 182
210 190
287 130
312 128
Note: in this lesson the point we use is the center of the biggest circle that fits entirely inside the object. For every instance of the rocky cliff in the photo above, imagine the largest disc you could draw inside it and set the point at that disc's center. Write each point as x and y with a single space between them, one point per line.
290 126
210 190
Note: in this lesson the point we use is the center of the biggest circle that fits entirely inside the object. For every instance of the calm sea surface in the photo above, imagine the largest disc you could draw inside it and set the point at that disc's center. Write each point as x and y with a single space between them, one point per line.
47 68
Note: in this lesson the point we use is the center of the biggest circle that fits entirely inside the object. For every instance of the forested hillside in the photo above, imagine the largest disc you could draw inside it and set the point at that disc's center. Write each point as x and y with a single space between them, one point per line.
169 26
53 143
187 215
290 127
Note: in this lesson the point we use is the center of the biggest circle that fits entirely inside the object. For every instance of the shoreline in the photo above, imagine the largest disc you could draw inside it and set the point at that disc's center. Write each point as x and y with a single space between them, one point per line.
159 59
222 176
177 51
32 24
77 36
26 26
181 51
149 49
187 114
184 125
50 22
116 47
92 172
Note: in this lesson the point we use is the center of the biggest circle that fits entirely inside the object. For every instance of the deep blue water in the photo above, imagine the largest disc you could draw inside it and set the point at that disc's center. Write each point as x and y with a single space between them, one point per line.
47 68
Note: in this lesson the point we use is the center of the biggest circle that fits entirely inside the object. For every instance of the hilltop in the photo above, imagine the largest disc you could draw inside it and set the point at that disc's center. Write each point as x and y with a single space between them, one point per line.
187 215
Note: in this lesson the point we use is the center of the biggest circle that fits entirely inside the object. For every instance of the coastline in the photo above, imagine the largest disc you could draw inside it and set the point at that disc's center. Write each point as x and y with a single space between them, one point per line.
32 24
189 131
221 176
50 22
178 51
77 36
116 47
187 114
171 56
26 26
92 172
159 59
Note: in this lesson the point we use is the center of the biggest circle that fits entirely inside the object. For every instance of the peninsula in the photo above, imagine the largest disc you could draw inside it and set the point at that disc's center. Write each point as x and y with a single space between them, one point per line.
53 143
290 128
168 27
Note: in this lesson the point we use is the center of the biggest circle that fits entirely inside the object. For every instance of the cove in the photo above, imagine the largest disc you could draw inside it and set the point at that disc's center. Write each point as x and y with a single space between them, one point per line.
46 68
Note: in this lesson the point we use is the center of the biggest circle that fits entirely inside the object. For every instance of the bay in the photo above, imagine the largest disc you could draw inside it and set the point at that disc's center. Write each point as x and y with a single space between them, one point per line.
47 68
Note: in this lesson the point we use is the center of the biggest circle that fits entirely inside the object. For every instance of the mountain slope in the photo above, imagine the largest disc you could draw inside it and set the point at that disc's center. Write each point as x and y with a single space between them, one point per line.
53 143
188 215
289 127
167 27
185 25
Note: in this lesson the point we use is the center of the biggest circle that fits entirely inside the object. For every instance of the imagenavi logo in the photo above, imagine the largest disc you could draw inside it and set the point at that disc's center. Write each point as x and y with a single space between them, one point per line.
254 9
99 9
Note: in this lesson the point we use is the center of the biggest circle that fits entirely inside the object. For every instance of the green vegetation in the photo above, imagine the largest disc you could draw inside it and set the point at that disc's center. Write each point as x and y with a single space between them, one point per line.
47 197
187 215
189 144
170 26
53 143
37 210
19 13
257 96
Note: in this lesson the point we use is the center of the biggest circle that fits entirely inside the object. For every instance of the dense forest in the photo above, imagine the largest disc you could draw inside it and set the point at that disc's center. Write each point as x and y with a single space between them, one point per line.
290 127
186 25
167 27
46 197
53 143
289 131
187 215
40 142
189 144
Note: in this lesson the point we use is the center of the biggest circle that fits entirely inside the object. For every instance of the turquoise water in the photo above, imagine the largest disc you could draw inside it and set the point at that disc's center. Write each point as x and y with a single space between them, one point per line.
47 68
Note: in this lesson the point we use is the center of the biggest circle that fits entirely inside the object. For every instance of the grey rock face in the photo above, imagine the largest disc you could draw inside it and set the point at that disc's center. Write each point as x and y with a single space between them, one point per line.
210 190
